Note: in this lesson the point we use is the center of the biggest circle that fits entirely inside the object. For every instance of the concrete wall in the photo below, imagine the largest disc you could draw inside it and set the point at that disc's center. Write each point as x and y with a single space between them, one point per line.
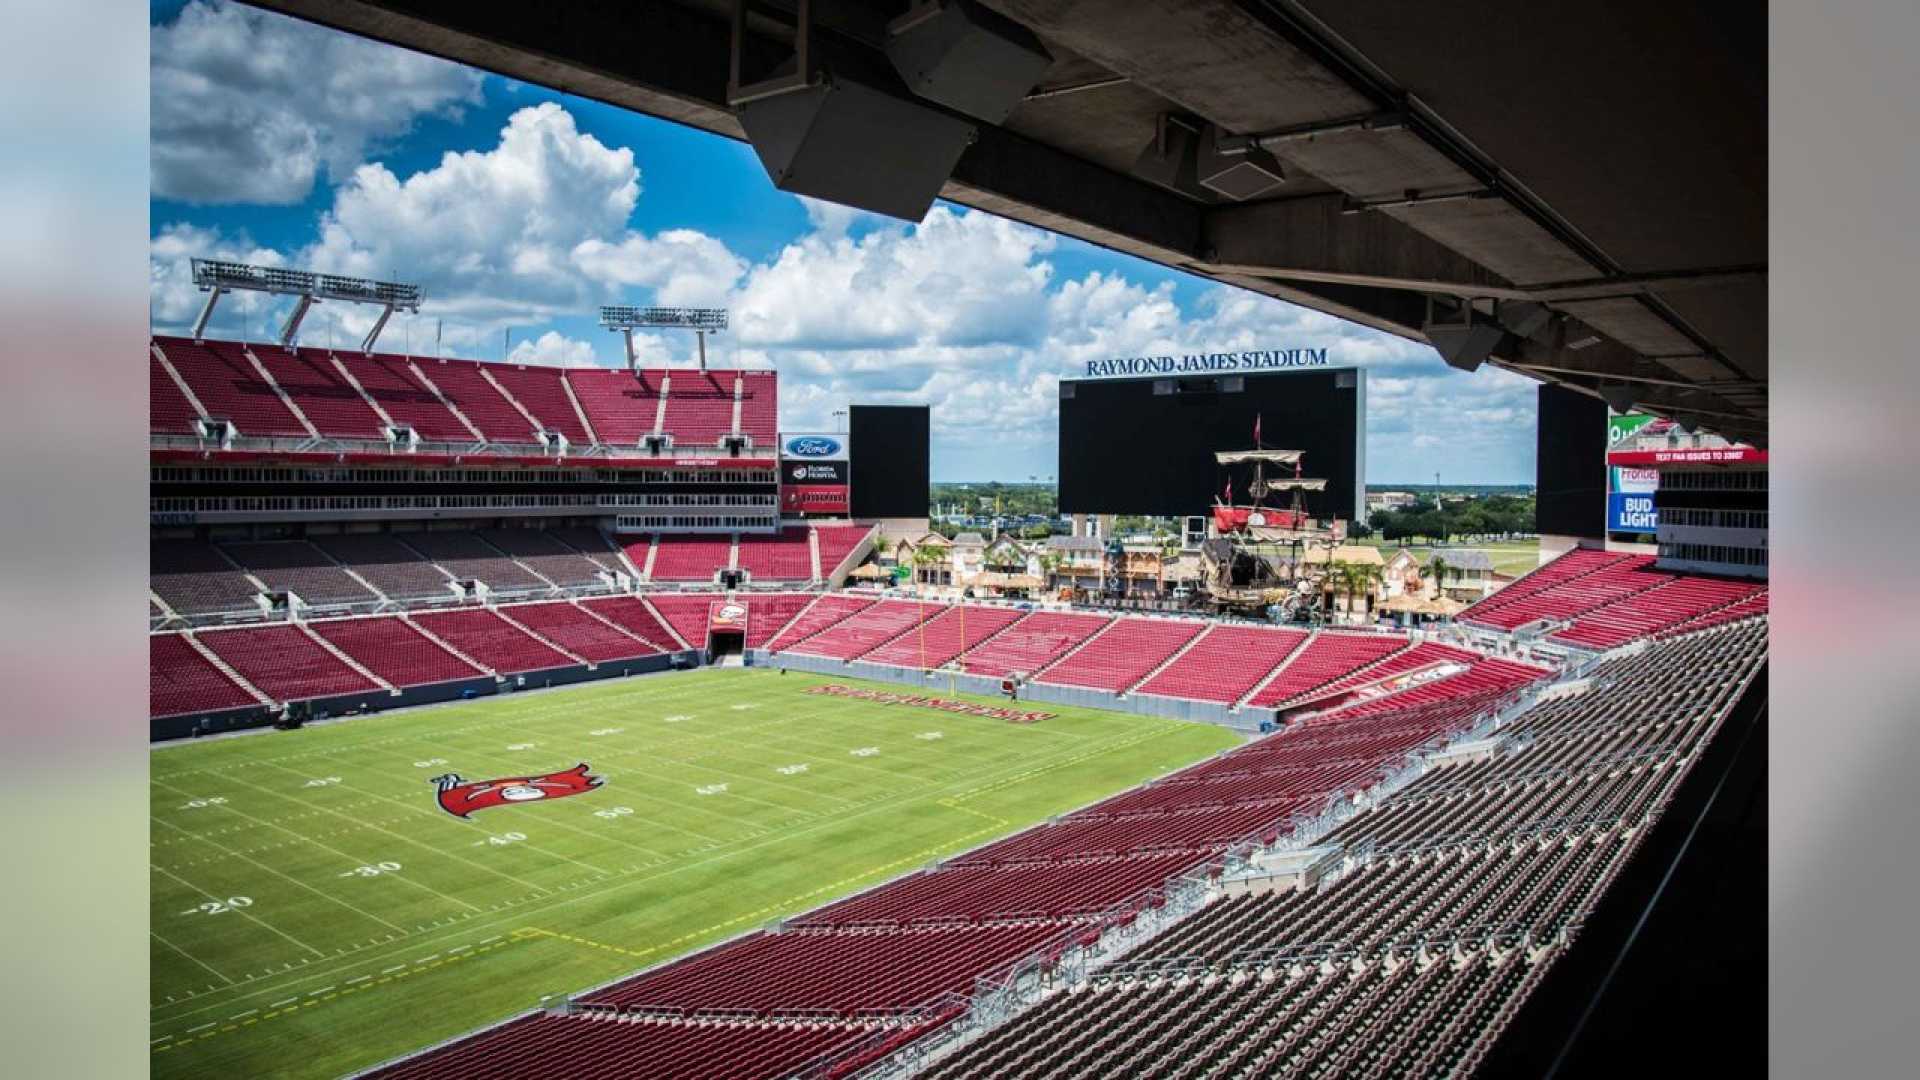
1081 697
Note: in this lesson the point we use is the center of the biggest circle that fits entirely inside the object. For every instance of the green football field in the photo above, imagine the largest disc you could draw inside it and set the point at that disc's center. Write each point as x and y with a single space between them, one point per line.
315 911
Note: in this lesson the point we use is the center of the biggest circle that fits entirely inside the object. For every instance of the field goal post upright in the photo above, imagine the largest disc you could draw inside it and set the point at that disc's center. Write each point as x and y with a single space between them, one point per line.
624 320
217 278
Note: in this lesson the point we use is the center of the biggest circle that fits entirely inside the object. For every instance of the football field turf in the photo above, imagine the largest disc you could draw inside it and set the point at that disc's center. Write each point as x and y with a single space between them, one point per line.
315 910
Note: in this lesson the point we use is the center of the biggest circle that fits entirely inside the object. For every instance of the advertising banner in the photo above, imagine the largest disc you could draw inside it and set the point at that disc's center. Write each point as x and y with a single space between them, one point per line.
813 446
814 473
1630 490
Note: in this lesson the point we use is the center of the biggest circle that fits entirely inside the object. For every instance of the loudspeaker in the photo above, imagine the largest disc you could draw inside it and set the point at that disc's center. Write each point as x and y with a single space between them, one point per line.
1462 336
851 144
963 56
1248 173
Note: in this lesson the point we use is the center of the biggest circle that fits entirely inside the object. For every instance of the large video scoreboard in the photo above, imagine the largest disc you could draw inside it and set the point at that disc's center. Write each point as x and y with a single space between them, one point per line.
1146 445
891 460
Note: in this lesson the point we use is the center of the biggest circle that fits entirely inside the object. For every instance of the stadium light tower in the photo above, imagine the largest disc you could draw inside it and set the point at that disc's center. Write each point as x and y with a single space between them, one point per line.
215 278
702 321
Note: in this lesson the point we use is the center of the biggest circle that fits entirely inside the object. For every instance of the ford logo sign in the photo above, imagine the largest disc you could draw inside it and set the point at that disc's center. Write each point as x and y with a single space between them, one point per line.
813 446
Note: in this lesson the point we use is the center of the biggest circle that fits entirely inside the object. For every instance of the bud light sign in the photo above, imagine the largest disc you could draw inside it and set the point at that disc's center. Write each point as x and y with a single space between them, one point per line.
1630 506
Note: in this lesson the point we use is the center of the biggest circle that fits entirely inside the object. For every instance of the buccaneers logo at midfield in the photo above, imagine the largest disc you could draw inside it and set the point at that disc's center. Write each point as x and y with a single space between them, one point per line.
462 797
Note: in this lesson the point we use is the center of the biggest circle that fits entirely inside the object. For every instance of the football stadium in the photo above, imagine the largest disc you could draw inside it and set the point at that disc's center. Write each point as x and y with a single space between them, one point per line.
568 720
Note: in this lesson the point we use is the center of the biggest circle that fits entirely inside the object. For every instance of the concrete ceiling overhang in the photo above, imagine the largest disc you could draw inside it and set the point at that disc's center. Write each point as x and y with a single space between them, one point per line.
1605 160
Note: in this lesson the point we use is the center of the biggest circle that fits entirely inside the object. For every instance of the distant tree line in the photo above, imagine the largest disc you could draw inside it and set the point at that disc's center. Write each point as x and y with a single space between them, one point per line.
1490 517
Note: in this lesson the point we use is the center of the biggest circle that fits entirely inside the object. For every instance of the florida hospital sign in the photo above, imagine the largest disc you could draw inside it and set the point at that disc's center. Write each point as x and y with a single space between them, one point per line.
1193 363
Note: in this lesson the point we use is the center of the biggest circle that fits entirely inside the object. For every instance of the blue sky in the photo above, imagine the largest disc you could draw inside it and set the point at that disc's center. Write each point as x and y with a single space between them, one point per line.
521 210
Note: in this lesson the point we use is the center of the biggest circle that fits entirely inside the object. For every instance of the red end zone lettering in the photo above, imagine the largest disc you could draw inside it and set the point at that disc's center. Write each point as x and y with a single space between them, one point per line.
968 708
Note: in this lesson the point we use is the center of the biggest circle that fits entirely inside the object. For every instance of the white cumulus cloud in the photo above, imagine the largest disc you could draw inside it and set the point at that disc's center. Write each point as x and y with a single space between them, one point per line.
250 107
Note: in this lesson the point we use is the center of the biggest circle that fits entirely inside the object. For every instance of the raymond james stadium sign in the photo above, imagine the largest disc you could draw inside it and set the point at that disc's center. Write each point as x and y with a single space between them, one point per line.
1194 363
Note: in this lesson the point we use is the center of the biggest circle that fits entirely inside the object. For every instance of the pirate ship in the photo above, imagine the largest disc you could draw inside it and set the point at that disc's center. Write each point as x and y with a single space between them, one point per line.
1256 562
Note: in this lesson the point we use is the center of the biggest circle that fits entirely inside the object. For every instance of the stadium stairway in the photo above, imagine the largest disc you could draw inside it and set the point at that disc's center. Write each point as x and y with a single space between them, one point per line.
447 645
286 399
363 671
445 401
505 615
1070 653
1298 648
226 669
668 625
1178 655
788 623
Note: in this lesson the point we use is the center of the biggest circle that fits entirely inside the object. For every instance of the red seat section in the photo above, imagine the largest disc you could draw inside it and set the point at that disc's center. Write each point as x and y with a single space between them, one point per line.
490 640
945 636
700 408
1751 606
394 568
538 391
687 612
221 376
391 383
298 567
1225 664
687 556
180 680
544 554
620 404
836 542
829 970
633 616
395 651
464 385
759 404
1652 611
766 615
857 634
168 410
195 579
1123 655
1032 643
1202 830
1327 657
330 403
284 662
783 556
1032 890
590 1046
1574 596
578 632
827 611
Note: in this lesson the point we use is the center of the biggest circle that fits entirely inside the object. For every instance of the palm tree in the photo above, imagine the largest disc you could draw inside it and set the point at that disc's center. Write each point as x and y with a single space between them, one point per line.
1442 570
927 556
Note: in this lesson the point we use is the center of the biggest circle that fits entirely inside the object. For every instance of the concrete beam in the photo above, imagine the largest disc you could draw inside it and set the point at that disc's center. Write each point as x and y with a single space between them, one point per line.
1312 239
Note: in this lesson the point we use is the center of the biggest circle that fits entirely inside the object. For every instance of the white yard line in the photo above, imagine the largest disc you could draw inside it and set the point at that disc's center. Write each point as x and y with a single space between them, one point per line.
243 913
188 955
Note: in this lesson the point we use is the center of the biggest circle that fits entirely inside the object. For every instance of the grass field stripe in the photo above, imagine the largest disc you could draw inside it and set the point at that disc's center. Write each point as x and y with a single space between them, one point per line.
242 912
410 840
624 882
188 955
287 877
725 758
358 825
329 997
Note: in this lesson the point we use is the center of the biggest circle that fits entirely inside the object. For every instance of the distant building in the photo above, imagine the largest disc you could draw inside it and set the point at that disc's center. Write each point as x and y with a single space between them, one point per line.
1468 575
